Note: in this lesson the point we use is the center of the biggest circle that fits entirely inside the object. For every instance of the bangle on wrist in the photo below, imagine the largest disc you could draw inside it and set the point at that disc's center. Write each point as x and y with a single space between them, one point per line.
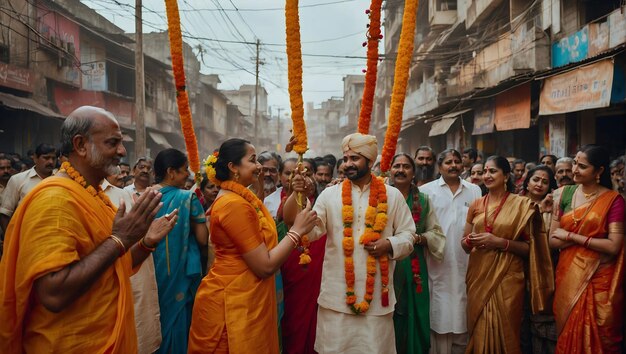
144 246
467 243
587 242
569 236
119 244
506 248
295 233
293 239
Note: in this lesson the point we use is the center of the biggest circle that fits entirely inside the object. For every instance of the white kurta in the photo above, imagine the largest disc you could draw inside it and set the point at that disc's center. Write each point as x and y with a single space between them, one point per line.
448 297
272 202
144 286
399 231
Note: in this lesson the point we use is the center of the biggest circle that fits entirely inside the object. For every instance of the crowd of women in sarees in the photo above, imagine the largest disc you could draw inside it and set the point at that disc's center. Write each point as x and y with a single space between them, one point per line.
507 240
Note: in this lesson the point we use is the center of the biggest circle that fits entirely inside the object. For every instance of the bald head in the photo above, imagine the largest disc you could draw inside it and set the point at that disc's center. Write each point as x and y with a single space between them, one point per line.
82 121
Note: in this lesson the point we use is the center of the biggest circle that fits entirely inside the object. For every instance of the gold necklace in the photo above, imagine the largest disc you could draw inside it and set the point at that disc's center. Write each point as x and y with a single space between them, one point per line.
591 204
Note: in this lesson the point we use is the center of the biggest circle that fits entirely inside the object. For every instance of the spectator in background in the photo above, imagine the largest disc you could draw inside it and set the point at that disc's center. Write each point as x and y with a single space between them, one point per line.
550 161
270 165
5 174
469 158
425 165
115 180
143 176
323 175
20 184
125 172
340 170
331 160
476 176
519 169
274 200
564 175
617 170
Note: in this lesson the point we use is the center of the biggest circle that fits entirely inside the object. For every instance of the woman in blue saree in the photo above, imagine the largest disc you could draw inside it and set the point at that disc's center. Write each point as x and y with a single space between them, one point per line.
177 259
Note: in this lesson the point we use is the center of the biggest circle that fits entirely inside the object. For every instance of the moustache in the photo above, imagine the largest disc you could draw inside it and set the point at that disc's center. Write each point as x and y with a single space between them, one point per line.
453 170
398 174
5 175
351 169
565 178
50 166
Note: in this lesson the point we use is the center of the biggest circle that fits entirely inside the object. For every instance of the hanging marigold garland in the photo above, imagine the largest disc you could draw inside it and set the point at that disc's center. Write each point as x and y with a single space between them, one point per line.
182 99
294 75
373 37
401 78
294 65
375 222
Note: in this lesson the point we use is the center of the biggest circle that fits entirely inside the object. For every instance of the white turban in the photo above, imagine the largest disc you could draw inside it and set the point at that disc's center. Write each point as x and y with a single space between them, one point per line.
366 145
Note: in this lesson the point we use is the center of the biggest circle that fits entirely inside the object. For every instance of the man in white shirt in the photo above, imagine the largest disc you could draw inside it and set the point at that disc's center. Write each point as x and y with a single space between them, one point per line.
143 283
20 184
339 329
450 197
273 201
143 177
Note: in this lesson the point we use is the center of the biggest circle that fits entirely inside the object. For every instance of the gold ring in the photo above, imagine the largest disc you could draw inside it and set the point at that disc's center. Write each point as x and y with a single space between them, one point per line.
374 247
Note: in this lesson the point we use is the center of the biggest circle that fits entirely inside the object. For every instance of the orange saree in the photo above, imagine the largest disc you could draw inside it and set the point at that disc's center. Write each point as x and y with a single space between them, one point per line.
588 301
235 311
496 280
57 224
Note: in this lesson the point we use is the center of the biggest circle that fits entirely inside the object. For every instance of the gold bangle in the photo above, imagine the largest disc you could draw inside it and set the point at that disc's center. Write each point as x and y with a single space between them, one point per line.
293 239
296 234
120 244
143 245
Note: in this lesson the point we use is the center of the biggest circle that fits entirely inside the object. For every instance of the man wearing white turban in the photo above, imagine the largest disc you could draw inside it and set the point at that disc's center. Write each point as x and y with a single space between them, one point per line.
339 329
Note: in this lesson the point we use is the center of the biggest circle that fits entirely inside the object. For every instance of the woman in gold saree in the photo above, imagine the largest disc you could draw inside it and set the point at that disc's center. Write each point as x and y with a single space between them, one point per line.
506 244
588 228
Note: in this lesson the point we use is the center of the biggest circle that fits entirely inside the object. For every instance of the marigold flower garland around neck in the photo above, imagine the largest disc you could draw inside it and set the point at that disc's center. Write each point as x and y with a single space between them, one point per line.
373 37
401 79
182 99
78 178
375 222
294 76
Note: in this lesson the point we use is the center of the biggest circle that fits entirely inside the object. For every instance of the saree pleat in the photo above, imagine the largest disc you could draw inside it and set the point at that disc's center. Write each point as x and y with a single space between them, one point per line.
588 302
496 280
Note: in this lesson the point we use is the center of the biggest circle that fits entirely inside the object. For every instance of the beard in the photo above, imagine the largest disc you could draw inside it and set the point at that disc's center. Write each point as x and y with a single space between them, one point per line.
360 172
424 173
269 186
98 161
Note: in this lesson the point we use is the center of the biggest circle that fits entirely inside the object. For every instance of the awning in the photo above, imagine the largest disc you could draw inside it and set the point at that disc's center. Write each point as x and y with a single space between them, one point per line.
441 126
456 113
27 104
160 139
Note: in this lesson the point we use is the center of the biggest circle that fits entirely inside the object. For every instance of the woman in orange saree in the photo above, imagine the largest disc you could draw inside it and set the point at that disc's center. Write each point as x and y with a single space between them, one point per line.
588 228
235 307
507 247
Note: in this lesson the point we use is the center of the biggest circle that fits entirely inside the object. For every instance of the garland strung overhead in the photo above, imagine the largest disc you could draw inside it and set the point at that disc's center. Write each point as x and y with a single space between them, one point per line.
373 37
182 99
294 75
401 79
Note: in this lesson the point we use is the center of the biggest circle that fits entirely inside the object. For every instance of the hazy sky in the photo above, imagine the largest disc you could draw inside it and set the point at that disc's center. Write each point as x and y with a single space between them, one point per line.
330 31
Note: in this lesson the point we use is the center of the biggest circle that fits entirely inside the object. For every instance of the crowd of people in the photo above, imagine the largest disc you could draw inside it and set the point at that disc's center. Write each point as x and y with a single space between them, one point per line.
447 253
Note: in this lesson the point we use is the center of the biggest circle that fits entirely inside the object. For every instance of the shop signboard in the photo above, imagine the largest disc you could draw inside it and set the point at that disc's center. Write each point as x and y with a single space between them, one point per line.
513 108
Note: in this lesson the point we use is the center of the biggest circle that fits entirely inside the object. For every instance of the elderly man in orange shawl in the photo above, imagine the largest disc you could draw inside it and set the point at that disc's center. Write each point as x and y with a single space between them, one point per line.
68 253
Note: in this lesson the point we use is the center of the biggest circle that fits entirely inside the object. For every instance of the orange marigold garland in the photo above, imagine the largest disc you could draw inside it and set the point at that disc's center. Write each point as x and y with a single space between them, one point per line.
78 178
251 198
294 64
182 99
401 78
375 222
373 37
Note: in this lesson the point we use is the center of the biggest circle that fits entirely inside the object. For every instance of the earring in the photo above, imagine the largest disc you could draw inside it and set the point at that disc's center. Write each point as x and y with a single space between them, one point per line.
505 185
597 178
236 176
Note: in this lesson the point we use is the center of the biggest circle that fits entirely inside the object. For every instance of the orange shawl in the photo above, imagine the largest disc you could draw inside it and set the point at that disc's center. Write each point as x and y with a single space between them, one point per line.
588 301
57 224
496 280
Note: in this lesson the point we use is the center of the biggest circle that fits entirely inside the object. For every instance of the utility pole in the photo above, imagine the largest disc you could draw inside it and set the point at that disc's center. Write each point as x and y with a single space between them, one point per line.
140 102
278 144
256 94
